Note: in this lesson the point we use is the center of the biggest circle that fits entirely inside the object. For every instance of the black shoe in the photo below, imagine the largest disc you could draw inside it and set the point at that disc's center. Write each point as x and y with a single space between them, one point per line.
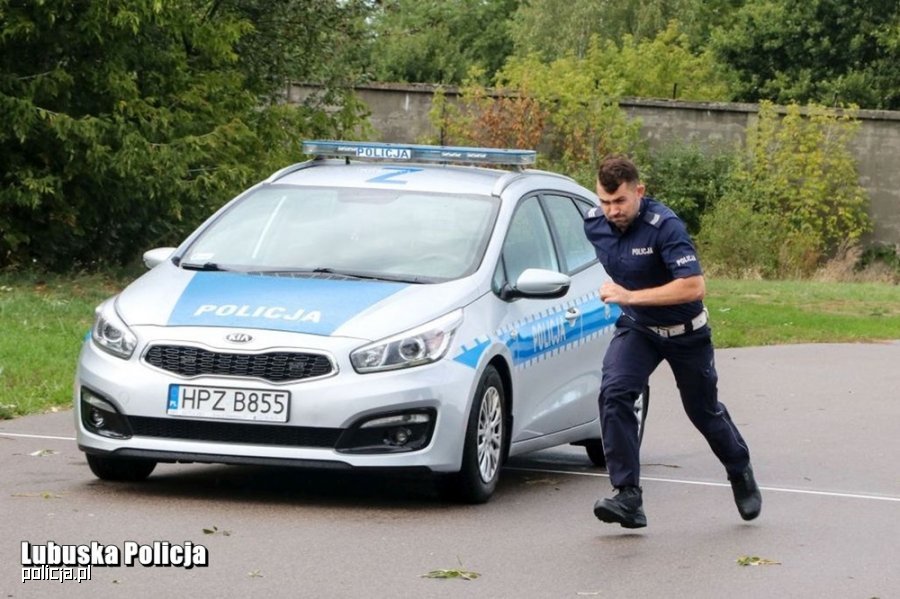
625 508
746 494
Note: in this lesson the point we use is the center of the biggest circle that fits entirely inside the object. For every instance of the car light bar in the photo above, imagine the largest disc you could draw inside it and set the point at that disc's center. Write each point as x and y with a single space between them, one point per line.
417 153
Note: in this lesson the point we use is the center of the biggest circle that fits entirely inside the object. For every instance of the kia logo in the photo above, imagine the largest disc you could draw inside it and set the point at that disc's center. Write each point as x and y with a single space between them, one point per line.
238 337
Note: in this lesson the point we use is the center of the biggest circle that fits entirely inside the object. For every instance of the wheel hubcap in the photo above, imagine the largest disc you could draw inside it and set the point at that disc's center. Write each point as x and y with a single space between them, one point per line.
490 433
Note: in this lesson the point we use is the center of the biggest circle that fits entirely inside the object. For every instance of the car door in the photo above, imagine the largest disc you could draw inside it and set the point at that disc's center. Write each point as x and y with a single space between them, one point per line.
556 365
582 363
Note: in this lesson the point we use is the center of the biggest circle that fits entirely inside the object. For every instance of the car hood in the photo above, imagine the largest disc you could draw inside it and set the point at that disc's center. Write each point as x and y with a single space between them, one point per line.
363 309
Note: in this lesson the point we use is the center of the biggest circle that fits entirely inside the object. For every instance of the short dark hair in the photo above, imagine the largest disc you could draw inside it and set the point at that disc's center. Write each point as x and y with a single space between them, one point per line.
615 170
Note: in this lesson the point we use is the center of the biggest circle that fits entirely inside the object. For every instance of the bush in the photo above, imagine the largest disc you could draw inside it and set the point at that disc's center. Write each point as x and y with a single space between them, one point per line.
880 262
881 253
737 241
556 108
795 197
688 180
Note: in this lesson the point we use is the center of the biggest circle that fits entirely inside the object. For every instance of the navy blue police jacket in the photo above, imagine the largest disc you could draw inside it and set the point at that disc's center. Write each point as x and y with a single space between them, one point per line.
653 251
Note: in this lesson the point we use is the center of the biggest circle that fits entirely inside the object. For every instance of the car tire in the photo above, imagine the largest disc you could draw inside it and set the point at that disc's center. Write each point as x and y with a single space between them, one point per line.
120 469
594 447
484 446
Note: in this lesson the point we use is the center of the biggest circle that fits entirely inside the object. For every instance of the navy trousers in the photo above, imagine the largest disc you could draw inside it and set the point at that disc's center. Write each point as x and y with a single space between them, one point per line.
634 353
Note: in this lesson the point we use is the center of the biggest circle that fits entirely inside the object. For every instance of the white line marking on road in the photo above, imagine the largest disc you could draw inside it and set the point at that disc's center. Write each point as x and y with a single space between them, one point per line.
6 434
709 484
597 474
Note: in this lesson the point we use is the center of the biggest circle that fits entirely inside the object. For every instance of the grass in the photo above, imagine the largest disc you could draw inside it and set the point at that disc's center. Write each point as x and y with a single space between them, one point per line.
751 313
44 320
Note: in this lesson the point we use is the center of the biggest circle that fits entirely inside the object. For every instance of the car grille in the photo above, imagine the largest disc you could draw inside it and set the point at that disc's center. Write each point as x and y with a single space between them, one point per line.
234 432
272 366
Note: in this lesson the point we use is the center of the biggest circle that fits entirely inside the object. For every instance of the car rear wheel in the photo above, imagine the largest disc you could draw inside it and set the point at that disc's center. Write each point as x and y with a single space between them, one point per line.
120 469
483 450
594 447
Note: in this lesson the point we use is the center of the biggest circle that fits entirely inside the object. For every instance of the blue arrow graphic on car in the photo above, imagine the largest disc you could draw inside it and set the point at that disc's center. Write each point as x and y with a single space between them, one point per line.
470 356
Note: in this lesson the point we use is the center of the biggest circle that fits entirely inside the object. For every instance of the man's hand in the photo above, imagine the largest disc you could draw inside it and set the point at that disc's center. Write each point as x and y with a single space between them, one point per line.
611 293
679 291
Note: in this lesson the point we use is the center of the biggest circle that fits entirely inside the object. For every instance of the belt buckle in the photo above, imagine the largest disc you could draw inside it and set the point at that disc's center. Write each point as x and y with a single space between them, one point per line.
699 321
675 330
670 331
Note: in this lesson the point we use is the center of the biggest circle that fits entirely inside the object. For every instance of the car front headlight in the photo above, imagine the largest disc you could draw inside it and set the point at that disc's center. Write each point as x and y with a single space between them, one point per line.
110 332
422 345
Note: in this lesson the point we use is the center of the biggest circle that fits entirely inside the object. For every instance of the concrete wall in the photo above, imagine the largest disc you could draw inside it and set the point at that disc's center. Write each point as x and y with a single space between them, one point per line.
708 124
399 113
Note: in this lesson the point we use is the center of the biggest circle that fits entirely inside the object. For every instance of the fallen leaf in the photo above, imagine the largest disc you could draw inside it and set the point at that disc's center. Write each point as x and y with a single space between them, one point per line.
453 573
40 453
254 574
753 560
43 494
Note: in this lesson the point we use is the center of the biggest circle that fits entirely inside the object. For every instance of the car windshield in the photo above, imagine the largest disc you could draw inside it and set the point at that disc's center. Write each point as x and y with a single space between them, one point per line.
395 235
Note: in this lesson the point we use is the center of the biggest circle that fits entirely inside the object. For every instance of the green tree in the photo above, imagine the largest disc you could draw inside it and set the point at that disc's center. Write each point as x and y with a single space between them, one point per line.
553 29
663 66
556 108
125 122
307 40
439 41
827 51
584 121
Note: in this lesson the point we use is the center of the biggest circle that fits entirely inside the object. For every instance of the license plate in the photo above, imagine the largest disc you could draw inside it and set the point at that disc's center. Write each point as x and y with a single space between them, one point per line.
228 403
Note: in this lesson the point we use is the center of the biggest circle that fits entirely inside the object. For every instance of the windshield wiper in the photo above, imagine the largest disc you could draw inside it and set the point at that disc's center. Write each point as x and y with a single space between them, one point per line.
206 266
373 277
341 273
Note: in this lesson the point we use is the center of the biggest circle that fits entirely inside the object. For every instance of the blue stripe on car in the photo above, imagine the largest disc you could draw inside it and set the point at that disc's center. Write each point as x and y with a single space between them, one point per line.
547 334
393 174
297 304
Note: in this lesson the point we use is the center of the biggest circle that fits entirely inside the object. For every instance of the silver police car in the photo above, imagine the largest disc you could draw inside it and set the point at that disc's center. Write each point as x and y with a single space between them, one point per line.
379 306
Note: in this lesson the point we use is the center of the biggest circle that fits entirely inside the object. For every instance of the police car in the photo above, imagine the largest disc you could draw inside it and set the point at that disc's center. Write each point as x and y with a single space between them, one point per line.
378 306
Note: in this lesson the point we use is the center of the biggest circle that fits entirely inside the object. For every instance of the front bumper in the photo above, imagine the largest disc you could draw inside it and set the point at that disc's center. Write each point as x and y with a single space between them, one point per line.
324 414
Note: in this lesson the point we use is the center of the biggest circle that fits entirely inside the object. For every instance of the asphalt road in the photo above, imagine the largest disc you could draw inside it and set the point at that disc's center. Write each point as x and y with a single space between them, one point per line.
822 421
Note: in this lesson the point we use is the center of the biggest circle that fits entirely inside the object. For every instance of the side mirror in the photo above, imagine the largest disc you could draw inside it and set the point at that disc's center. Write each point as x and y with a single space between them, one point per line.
539 284
157 256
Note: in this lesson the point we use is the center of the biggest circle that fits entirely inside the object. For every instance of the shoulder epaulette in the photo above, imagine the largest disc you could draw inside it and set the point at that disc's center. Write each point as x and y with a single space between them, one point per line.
654 219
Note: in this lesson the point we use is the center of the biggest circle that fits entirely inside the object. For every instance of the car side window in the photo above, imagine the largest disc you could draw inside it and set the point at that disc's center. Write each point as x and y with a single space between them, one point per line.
528 243
568 222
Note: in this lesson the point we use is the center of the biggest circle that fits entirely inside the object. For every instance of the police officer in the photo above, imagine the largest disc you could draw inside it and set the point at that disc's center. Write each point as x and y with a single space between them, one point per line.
658 283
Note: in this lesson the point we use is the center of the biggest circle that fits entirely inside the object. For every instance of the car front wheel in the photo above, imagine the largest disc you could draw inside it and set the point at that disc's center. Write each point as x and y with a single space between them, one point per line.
483 449
120 469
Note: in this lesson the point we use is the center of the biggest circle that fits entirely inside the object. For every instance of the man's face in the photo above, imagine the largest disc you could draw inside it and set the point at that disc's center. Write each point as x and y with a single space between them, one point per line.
621 207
